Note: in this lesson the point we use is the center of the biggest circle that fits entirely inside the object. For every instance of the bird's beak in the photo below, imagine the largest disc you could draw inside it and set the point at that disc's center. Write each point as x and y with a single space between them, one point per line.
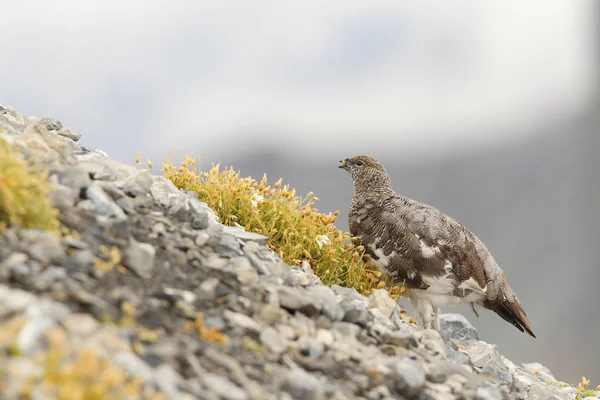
343 164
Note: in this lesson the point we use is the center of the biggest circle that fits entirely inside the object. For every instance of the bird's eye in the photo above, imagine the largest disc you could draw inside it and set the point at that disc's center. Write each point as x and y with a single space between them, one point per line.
359 163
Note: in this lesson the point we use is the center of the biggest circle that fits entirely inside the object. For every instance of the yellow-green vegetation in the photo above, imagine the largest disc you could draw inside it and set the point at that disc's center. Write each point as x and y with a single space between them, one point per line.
24 193
67 373
297 230
582 392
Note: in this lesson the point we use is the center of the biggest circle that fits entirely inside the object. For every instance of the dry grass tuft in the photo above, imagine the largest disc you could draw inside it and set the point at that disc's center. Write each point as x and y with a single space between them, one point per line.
24 193
298 231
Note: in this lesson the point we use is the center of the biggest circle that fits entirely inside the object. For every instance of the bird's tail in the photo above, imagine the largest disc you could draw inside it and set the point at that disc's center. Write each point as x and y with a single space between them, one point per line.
512 311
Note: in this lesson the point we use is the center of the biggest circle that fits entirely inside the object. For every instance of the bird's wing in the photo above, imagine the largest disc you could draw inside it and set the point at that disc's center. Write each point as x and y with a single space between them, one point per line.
473 266
432 246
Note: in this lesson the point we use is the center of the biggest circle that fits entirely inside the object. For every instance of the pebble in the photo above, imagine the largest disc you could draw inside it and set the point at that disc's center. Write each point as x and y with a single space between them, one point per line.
381 300
244 236
294 300
42 246
409 378
455 327
241 321
223 387
272 340
139 257
104 205
69 133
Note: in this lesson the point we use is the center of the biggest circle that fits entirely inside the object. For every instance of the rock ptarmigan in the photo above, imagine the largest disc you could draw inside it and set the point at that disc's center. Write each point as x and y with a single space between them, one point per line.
440 261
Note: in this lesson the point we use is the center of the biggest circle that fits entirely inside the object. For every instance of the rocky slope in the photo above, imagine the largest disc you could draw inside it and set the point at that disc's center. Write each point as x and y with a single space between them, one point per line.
148 296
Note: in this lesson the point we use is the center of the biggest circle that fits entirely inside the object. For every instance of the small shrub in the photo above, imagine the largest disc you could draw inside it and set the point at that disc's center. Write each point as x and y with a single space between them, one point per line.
297 230
582 392
24 193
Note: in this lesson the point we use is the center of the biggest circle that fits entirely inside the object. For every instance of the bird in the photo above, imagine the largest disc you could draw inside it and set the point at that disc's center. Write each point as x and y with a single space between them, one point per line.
440 262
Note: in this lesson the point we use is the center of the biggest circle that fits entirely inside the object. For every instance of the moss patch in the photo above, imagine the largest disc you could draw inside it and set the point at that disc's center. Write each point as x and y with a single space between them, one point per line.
297 230
24 193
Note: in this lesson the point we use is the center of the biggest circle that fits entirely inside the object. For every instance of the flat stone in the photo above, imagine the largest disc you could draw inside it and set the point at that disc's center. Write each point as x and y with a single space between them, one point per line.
64 197
409 378
223 387
273 341
75 177
456 327
302 385
381 300
42 246
139 257
241 321
104 205
69 133
51 124
163 190
326 299
244 236
295 300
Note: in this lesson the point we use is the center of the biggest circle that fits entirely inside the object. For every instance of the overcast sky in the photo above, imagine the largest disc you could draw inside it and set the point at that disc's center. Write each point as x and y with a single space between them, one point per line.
208 76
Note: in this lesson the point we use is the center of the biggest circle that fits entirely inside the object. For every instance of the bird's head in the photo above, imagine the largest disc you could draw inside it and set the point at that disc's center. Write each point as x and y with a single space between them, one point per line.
367 173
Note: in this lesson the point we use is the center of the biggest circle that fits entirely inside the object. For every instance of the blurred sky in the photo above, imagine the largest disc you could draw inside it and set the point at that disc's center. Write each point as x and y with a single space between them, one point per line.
208 76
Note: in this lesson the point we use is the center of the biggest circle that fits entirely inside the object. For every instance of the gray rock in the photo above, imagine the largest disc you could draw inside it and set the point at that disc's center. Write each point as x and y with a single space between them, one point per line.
408 378
272 314
41 316
302 385
167 380
51 124
141 180
541 371
241 321
486 358
139 257
163 190
298 277
134 366
325 298
273 341
264 260
456 327
75 177
208 287
433 342
294 299
356 316
42 246
244 236
13 301
223 387
243 270
380 392
69 133
381 300
104 205
53 274
64 197
488 393
309 347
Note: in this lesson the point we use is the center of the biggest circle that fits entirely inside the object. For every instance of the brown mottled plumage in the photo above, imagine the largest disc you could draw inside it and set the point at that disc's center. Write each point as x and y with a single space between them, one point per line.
441 261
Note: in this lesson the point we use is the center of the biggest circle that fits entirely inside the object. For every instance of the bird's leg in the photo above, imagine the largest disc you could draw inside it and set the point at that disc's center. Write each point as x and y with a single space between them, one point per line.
436 320
426 313
426 319
474 310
